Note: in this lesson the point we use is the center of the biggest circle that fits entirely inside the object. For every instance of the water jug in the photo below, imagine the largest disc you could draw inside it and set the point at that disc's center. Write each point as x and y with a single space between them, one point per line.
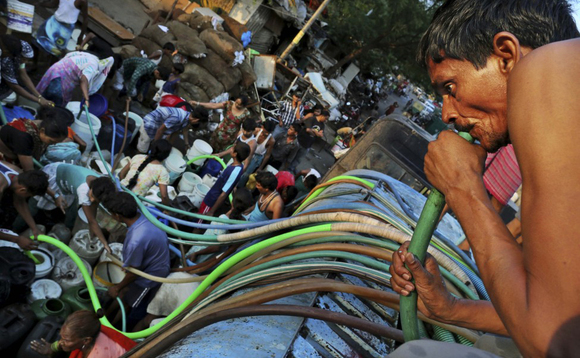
77 298
50 307
16 275
48 328
15 321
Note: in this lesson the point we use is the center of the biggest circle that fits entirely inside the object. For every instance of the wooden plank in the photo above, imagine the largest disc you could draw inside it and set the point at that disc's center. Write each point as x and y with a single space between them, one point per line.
104 21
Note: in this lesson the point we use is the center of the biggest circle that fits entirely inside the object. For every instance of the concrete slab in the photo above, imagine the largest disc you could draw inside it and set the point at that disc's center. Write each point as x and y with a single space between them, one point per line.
129 13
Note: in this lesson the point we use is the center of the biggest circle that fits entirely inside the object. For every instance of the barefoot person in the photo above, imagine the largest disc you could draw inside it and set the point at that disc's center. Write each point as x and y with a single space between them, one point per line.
507 71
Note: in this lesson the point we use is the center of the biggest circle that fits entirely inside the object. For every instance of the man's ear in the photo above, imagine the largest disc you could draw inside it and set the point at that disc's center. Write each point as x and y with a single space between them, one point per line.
507 49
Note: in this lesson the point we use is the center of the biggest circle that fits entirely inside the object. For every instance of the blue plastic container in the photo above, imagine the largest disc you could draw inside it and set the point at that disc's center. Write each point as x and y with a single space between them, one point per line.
211 167
98 105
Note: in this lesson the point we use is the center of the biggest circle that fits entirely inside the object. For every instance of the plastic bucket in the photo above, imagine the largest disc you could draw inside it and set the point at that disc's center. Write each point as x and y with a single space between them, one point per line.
199 193
198 148
43 289
82 129
175 165
138 123
46 262
98 104
116 248
188 182
81 223
107 274
208 180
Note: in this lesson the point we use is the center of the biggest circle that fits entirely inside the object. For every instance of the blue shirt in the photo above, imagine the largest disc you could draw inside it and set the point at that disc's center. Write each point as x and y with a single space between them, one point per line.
146 249
225 183
174 119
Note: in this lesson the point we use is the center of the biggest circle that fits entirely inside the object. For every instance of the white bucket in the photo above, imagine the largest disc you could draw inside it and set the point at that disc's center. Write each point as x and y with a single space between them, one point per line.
209 180
175 165
44 288
46 264
116 248
86 247
107 274
198 148
271 169
198 194
138 123
188 182
67 274
81 126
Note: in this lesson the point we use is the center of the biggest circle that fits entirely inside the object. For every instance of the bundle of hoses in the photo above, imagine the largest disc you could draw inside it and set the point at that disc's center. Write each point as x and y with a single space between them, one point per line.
360 242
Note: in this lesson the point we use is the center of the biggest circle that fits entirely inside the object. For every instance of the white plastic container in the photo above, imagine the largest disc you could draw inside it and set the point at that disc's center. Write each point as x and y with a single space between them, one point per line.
81 126
271 169
199 193
138 123
86 247
46 262
116 248
175 165
81 222
208 180
198 148
67 274
107 274
188 182
44 288
61 232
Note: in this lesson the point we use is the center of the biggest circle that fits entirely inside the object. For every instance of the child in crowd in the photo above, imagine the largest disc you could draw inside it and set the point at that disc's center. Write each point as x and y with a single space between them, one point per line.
226 182
144 171
270 204
172 83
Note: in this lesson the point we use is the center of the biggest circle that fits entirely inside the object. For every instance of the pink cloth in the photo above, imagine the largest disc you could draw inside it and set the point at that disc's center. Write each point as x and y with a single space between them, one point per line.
284 179
105 347
502 175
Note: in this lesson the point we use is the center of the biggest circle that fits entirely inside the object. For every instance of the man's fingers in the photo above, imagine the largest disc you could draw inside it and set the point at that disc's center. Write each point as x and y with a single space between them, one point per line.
417 270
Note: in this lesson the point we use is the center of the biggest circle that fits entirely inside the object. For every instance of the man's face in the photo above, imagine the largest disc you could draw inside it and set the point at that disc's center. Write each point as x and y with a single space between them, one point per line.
260 188
291 132
246 133
157 74
475 101
193 120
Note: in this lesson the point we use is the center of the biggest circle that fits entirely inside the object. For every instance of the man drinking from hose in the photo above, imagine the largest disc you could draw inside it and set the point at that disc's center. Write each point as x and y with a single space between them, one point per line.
507 71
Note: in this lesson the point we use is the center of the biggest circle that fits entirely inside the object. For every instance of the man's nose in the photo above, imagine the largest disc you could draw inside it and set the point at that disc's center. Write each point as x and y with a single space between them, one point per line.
448 112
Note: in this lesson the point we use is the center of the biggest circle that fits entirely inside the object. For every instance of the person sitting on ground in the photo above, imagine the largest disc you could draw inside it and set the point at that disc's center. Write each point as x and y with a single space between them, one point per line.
146 248
22 139
226 182
166 122
137 72
235 112
13 57
290 111
76 69
54 34
144 171
269 205
285 148
507 72
15 189
83 336
247 136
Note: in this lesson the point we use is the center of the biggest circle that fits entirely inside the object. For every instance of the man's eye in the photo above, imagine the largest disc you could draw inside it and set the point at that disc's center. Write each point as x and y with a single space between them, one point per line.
448 88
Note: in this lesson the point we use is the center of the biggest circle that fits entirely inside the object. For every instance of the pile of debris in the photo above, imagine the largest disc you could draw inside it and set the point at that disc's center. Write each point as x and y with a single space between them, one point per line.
214 60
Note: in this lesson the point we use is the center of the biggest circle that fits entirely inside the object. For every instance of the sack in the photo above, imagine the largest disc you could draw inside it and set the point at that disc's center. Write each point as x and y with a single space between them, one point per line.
155 34
188 42
248 74
127 51
145 45
233 27
222 43
200 77
199 22
228 76
191 92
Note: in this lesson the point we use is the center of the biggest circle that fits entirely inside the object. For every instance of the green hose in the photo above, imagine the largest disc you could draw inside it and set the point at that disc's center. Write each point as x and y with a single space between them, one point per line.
121 307
421 237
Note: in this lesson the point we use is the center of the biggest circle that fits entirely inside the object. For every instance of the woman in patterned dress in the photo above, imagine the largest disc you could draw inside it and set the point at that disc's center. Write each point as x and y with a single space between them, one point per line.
227 131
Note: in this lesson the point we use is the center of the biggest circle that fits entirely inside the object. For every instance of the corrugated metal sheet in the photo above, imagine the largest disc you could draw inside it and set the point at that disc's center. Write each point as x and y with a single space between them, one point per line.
225 5
262 40
258 19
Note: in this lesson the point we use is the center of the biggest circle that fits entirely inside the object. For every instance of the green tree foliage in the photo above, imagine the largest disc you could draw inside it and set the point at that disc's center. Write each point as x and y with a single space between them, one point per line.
381 34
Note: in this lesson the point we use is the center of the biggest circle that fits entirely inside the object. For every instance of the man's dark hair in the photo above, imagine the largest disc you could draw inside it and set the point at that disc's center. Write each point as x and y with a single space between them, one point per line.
325 113
48 113
102 188
169 46
178 67
200 113
310 182
267 180
121 204
243 151
245 99
12 44
35 181
164 72
269 126
291 193
249 124
297 127
55 121
464 29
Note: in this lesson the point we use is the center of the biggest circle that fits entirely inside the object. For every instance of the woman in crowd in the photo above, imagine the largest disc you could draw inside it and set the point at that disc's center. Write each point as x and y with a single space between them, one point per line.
14 53
23 139
83 336
235 113
262 151
144 171
247 136
76 69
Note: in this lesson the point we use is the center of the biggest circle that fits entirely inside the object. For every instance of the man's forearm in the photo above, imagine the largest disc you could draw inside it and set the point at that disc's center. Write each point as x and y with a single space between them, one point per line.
477 315
129 277
219 201
22 209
